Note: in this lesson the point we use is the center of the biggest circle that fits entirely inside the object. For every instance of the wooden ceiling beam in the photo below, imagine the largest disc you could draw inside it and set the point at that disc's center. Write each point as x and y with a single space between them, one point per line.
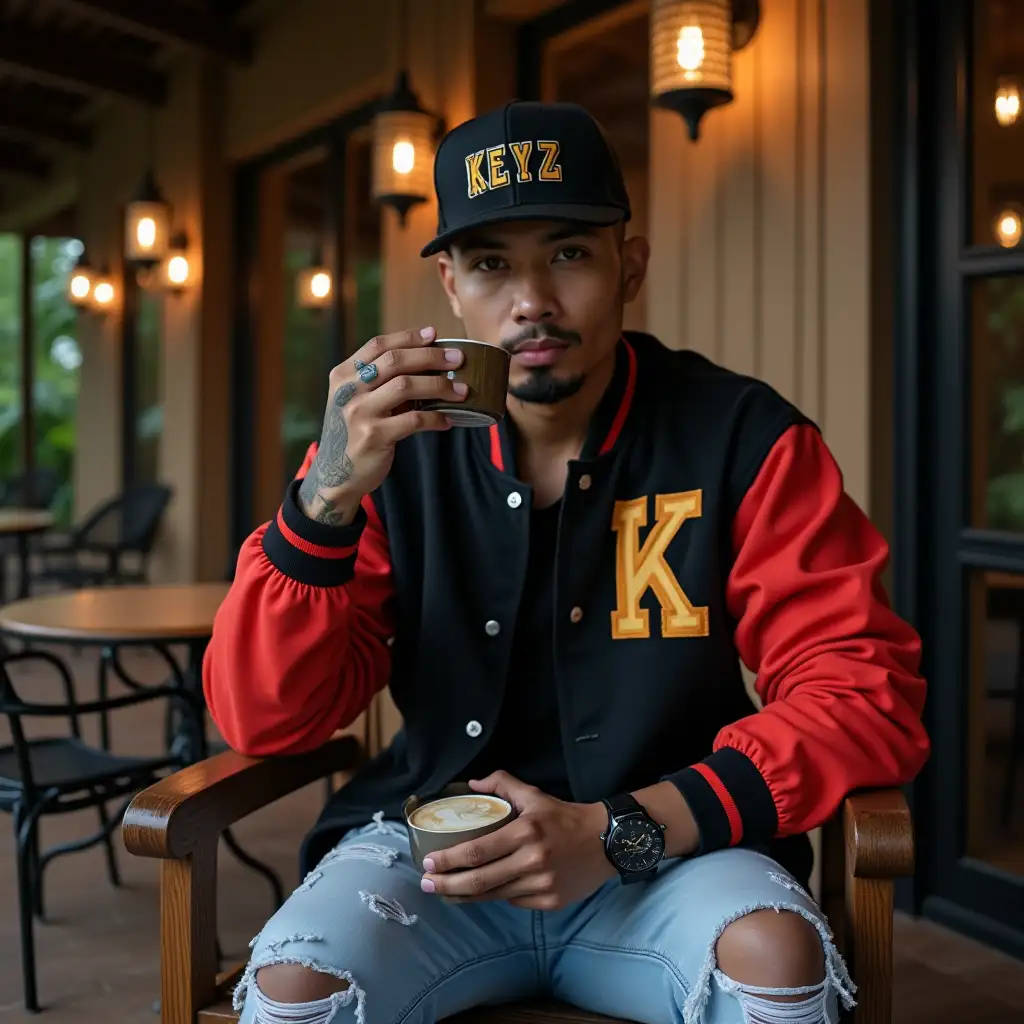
31 120
167 22
22 160
59 59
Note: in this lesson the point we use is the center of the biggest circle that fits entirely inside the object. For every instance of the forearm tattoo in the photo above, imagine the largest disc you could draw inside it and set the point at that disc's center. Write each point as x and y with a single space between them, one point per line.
332 465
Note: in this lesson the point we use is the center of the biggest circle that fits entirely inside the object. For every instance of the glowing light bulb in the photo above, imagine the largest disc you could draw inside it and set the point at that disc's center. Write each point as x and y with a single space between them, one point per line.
145 232
80 286
177 271
103 293
690 50
1008 228
320 285
403 156
1007 102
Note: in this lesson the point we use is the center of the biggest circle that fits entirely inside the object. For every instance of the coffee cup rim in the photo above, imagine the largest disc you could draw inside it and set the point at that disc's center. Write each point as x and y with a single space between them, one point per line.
509 809
473 341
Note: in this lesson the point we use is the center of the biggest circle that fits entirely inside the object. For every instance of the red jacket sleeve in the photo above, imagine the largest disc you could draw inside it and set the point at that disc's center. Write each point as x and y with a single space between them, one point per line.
837 669
300 644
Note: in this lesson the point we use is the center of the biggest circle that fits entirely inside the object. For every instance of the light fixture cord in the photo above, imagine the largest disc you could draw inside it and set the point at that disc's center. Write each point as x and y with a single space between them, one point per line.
403 30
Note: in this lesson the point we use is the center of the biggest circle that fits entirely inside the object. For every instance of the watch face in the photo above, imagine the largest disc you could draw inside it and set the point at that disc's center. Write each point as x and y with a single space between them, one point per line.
636 844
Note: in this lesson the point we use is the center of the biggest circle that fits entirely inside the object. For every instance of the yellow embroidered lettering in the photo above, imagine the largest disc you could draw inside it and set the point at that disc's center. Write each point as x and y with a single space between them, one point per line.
521 151
475 175
642 568
550 168
497 176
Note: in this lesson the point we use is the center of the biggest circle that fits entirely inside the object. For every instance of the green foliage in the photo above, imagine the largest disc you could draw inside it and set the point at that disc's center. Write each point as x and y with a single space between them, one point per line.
57 358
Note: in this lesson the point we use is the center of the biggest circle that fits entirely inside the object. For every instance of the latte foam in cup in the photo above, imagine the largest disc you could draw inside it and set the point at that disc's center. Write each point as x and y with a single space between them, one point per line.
450 817
459 813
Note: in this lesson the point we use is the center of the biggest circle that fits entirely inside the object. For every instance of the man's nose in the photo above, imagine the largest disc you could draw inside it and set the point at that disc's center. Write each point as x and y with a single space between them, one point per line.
535 301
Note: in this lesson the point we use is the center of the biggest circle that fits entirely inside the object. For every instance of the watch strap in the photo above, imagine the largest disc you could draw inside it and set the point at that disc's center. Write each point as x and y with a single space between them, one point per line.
623 803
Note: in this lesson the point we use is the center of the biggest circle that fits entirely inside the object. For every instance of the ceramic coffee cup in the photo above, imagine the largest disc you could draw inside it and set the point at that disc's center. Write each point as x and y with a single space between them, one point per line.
485 369
455 815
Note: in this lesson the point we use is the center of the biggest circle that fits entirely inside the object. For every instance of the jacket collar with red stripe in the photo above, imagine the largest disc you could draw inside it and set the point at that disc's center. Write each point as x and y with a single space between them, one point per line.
611 423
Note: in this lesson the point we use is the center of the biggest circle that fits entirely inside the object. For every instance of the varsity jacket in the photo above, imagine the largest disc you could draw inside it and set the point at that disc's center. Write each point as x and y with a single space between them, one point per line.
704 524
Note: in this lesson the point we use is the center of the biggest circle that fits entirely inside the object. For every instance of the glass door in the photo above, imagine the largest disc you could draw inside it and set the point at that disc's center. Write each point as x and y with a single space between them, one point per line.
308 288
972 843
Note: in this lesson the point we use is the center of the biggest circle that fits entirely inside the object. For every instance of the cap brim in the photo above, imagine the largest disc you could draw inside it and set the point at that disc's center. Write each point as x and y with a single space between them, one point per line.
599 216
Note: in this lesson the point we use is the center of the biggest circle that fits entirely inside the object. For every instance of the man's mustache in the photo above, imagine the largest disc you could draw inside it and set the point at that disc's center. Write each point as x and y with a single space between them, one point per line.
537 333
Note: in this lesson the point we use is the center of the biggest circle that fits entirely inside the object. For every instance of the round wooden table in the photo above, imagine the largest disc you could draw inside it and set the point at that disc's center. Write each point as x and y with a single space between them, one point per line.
123 615
21 523
153 616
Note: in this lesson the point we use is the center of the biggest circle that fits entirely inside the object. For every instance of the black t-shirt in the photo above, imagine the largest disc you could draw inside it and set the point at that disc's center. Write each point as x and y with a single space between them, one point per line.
527 741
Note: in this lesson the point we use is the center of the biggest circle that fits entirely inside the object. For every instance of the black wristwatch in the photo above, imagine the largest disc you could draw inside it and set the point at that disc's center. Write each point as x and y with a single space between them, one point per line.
634 842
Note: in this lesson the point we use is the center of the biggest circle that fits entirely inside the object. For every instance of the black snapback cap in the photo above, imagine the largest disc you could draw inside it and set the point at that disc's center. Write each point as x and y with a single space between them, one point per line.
526 161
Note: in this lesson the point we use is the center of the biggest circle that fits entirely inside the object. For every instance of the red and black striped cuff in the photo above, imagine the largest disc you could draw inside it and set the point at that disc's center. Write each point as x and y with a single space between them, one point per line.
311 552
729 800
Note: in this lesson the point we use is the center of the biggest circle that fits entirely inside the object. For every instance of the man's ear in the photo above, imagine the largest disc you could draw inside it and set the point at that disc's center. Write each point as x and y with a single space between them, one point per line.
636 252
446 268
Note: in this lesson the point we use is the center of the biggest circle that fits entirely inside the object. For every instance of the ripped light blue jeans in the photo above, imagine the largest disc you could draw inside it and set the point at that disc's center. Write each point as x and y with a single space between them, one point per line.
637 952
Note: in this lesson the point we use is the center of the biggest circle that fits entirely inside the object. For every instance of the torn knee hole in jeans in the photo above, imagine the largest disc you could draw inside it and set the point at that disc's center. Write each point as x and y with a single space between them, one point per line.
758 1008
317 1011
376 853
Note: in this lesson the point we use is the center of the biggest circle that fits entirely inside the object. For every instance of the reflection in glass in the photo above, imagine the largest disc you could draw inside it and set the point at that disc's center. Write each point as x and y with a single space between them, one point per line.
997 132
995 740
604 66
149 405
997 415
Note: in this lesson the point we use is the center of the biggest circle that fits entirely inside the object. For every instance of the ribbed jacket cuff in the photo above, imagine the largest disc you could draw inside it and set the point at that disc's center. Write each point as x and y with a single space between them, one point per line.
311 552
729 800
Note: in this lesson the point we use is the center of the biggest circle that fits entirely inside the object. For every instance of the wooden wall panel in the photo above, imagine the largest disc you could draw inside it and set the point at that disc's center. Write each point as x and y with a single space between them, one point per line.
759 230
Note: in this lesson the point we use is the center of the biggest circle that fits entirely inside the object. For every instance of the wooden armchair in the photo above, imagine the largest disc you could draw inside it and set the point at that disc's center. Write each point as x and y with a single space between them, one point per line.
179 821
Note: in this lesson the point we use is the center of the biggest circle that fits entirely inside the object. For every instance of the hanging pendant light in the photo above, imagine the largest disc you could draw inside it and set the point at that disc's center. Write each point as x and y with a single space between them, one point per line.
692 43
80 283
147 224
404 138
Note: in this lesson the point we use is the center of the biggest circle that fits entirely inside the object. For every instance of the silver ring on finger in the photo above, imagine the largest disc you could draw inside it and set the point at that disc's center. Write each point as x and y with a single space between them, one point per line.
367 371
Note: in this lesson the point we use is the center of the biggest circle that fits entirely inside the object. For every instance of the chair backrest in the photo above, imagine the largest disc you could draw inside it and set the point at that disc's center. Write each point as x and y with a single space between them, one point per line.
128 522
35 489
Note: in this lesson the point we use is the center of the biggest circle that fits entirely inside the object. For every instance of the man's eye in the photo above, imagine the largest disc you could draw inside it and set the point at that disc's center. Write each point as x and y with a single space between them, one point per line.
571 252
489 263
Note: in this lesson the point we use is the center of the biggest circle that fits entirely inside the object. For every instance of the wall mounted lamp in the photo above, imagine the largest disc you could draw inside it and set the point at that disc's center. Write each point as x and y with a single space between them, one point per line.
103 294
176 269
314 285
692 43
80 283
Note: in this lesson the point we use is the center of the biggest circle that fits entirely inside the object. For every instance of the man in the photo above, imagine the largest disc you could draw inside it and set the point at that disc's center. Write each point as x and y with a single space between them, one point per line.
559 605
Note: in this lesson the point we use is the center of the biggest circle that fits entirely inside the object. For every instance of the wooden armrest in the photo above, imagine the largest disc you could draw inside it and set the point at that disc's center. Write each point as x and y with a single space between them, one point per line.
170 819
864 848
878 834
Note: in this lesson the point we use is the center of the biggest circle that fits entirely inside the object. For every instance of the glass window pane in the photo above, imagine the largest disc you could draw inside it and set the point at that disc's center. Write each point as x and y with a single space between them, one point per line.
995 733
149 405
997 123
996 330
306 340
603 65
56 362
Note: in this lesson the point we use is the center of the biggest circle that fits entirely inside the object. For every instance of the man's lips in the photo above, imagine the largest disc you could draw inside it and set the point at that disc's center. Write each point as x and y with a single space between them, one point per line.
539 352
